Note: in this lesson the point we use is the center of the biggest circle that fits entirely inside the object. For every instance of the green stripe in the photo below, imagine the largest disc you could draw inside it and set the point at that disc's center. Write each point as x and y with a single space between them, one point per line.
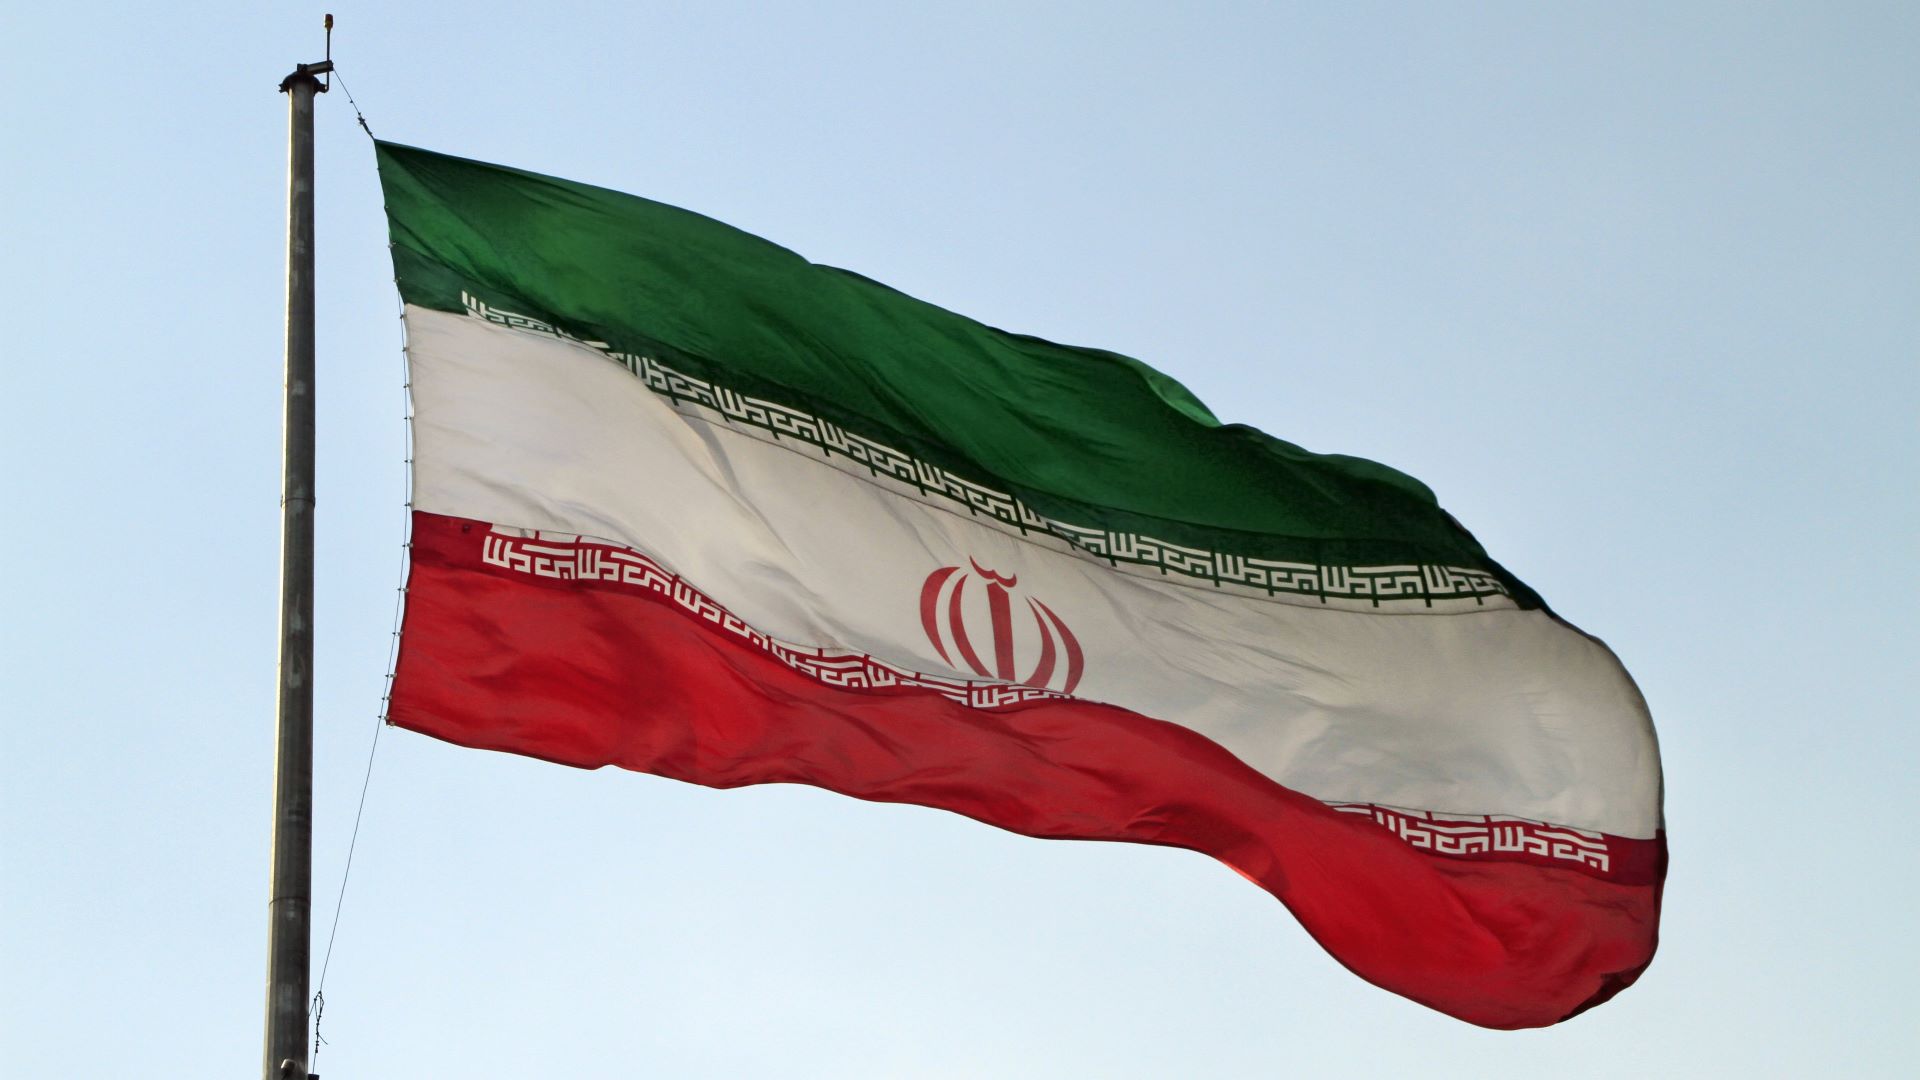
1078 434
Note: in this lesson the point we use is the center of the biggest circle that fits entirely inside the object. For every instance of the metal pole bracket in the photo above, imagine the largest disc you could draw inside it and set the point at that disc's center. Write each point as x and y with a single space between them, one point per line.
308 72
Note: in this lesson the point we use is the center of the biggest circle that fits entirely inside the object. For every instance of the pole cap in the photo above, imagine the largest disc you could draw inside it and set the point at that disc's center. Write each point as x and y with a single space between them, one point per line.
307 72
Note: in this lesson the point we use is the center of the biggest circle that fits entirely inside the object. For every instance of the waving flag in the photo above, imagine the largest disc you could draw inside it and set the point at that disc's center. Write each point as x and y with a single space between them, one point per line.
688 504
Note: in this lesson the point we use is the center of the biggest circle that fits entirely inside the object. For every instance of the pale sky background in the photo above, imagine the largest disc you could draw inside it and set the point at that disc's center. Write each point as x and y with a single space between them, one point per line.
1636 289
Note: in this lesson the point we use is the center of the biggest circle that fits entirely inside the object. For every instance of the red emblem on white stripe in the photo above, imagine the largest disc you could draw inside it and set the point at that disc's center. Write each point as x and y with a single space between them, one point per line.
969 618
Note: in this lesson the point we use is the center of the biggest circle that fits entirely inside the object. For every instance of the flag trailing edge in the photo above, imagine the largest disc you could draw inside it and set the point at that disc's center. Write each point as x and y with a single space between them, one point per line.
688 504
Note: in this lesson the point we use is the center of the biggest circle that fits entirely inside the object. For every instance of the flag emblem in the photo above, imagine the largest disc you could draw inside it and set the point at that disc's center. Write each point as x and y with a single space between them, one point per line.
968 614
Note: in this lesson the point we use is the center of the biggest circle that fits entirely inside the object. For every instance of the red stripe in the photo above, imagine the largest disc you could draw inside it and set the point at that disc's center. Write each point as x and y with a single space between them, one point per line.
589 675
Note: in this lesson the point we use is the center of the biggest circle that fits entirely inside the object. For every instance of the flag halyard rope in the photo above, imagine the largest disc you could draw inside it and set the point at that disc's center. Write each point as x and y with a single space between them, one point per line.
380 719
357 115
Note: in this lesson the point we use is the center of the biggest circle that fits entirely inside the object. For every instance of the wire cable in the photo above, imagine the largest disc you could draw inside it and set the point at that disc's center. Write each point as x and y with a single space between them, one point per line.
356 105
386 697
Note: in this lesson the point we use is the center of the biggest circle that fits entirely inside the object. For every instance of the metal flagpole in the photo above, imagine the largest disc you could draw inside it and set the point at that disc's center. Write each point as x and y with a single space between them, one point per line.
290 904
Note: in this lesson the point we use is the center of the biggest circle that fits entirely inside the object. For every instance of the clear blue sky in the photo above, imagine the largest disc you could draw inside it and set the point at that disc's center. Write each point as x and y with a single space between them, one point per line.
1635 288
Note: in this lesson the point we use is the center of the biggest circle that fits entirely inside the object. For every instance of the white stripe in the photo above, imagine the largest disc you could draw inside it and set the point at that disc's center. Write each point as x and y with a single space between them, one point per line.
1404 587
1497 711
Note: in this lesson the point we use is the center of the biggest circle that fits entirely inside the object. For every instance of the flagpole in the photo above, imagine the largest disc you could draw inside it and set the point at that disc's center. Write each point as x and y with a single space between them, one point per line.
290 903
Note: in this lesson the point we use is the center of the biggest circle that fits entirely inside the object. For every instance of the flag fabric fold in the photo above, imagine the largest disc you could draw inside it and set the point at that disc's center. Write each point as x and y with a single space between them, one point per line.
688 504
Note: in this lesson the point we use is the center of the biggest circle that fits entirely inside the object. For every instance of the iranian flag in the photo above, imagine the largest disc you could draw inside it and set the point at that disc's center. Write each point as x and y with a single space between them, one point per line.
688 504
